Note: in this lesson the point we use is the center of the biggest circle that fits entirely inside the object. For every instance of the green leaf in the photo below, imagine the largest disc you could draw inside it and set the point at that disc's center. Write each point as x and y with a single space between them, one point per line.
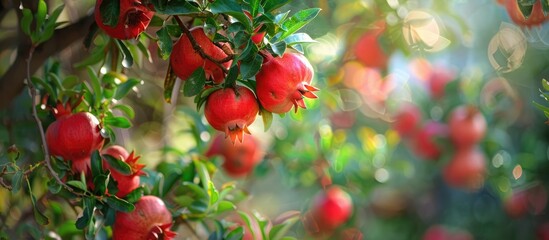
203 175
267 118
100 183
169 83
225 206
195 83
117 121
78 184
176 7
165 43
545 84
124 88
110 11
247 221
230 80
232 8
254 5
198 207
248 69
26 21
127 110
90 35
119 204
41 12
214 194
16 181
134 195
236 234
54 186
127 58
297 21
278 231
277 48
272 5
96 163
50 25
298 38
96 55
250 51
96 86
545 6
88 206
39 82
145 51
118 165
38 215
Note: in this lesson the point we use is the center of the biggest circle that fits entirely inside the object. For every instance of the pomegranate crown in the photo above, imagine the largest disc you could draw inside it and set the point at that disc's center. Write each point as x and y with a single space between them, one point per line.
136 167
161 232
304 90
236 130
62 109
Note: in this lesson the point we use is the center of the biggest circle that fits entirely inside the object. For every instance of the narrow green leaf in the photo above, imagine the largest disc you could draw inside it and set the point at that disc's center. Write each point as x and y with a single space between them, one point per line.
254 5
230 80
278 231
110 12
248 69
78 184
54 186
176 7
38 215
272 5
41 12
225 206
96 163
50 25
277 48
26 21
96 55
297 21
169 83
100 183
117 121
232 8
213 193
88 206
16 181
545 84
118 165
127 110
90 35
124 88
236 234
134 195
119 204
145 51
165 43
96 87
47 87
198 207
298 38
247 221
195 83
127 58
250 51
267 118
203 175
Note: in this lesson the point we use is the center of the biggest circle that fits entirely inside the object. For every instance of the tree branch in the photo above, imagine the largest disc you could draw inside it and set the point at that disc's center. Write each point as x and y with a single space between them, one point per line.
12 82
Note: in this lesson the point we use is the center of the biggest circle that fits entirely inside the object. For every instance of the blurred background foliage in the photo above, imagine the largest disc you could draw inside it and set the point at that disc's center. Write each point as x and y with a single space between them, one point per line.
345 137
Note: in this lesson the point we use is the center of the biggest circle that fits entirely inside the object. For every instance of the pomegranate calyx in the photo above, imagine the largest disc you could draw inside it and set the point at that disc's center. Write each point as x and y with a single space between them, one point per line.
161 232
307 90
136 167
236 130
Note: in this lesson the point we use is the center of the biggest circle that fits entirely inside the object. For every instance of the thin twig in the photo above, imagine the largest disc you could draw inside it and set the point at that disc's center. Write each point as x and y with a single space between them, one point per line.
32 93
199 49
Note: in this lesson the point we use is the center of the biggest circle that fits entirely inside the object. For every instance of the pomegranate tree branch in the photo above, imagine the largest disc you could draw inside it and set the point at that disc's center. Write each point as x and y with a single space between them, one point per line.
199 49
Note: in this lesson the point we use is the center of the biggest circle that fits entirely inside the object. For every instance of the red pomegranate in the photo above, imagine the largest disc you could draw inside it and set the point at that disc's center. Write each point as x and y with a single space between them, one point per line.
536 18
126 183
424 143
231 110
331 208
149 220
407 120
437 81
239 158
133 18
283 81
368 49
467 126
184 59
517 204
74 136
466 169
439 232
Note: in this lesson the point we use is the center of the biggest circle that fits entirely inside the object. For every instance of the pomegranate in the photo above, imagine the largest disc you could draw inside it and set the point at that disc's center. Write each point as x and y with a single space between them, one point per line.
283 81
437 81
467 126
516 205
240 158
126 183
424 143
185 59
368 49
74 136
466 169
330 209
439 232
407 120
149 220
133 18
542 231
532 199
231 110
536 18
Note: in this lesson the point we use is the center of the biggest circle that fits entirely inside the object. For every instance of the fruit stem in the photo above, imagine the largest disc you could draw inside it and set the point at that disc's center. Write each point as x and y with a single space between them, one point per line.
199 49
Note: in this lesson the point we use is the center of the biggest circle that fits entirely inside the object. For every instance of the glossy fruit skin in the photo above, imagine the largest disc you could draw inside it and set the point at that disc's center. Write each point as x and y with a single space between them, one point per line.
126 183
536 17
424 143
74 137
369 51
149 217
467 126
185 60
283 82
331 209
231 110
134 18
407 120
437 81
466 169
240 158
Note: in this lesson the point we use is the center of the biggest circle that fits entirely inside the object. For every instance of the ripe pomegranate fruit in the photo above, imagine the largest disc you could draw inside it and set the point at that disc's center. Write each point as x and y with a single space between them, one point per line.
536 17
542 231
467 126
439 232
283 81
368 49
437 81
516 205
133 18
231 110
532 199
239 158
149 220
126 183
184 59
330 209
424 143
74 136
466 169
407 120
